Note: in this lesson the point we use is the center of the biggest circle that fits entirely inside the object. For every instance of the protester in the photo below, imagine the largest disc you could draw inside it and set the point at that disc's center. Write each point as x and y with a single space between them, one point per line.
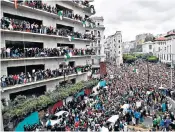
36 75
42 52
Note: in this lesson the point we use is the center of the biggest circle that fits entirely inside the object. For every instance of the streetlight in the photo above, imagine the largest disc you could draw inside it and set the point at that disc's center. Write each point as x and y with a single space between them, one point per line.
172 70
64 73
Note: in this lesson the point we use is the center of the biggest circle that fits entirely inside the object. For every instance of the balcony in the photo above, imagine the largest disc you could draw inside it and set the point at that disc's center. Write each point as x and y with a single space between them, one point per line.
24 79
100 26
20 54
42 35
61 78
41 11
83 5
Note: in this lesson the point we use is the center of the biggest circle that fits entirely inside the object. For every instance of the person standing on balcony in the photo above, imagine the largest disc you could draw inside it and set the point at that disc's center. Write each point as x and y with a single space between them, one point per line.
8 52
3 83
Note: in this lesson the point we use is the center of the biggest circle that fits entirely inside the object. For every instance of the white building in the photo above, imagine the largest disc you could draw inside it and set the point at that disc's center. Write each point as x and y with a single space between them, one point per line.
165 48
148 47
127 46
114 42
98 44
29 39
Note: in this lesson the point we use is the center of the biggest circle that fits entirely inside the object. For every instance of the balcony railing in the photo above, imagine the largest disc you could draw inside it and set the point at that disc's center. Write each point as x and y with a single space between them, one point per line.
84 5
43 8
41 75
16 53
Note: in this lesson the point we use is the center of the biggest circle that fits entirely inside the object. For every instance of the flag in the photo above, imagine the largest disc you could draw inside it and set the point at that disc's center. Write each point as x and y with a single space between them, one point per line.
135 70
16 4
92 10
71 38
79 70
60 14
67 55
84 23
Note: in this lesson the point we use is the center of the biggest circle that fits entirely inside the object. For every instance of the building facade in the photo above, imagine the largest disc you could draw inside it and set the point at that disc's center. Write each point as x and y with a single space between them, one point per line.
60 26
141 38
127 46
165 48
114 45
148 47
98 44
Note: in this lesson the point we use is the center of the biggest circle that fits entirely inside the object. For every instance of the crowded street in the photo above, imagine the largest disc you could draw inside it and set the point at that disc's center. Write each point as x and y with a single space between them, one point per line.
125 102
87 65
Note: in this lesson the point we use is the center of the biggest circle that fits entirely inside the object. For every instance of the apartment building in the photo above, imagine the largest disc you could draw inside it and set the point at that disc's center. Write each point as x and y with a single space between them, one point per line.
114 46
58 25
165 47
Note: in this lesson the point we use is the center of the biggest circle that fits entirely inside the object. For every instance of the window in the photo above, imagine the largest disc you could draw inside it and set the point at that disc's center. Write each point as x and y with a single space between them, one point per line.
159 48
98 41
150 47
98 24
119 46
118 41
119 52
165 48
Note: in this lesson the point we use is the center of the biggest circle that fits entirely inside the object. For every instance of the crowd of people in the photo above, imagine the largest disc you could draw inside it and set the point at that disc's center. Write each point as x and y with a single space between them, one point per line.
39 74
129 95
42 52
53 9
26 26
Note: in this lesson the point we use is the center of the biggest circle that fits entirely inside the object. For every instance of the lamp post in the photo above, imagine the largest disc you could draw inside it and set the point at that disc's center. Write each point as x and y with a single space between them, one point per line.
148 72
64 64
172 70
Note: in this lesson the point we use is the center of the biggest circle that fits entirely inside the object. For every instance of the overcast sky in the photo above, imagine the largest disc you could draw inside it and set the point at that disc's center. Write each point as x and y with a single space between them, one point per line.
133 17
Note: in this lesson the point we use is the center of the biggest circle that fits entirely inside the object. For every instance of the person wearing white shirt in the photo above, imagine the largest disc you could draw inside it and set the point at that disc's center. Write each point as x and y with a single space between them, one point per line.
8 52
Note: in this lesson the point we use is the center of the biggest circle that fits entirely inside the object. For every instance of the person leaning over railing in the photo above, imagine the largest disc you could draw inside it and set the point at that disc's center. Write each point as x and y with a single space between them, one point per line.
36 75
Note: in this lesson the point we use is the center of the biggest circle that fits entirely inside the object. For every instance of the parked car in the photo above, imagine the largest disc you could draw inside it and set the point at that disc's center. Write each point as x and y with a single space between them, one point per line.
57 117
109 125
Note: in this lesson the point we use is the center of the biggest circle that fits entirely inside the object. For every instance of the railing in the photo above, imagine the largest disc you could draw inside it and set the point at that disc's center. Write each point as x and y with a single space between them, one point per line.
39 75
47 52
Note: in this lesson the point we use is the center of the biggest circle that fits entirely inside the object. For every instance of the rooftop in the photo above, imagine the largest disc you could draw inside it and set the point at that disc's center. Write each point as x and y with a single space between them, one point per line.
170 34
160 39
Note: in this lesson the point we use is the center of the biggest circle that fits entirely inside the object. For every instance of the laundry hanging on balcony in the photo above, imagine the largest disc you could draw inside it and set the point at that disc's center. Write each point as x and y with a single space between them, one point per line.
60 14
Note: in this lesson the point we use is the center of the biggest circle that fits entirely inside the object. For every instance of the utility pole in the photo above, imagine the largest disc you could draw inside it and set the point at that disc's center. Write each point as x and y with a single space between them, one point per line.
148 72
171 70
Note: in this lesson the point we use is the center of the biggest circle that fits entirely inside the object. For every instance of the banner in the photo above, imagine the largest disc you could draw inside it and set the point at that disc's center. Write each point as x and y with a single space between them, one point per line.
80 94
103 69
30 120
102 83
88 91
57 105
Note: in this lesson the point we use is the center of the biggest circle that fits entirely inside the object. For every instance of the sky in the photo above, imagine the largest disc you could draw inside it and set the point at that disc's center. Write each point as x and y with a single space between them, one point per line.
134 17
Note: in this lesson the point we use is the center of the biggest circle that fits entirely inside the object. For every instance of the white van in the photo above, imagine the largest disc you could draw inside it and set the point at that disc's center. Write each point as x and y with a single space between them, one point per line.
110 123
